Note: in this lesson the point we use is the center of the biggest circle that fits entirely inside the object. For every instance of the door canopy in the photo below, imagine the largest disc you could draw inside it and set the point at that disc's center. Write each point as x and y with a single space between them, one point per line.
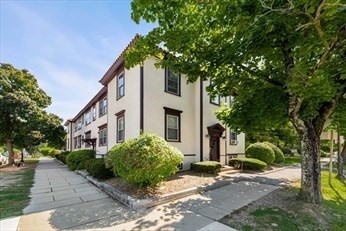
216 130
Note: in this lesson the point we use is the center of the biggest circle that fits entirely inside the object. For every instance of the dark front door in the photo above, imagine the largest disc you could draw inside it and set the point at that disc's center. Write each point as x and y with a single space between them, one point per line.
214 142
215 133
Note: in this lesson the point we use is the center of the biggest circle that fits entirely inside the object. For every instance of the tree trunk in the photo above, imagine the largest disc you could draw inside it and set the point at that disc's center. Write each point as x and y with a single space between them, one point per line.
10 151
311 168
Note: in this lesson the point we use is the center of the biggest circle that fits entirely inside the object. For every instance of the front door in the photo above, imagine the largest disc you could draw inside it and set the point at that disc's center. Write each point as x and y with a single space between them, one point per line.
215 133
214 142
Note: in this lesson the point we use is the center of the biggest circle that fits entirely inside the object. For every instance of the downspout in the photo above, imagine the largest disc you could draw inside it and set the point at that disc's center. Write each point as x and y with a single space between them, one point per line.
141 102
201 118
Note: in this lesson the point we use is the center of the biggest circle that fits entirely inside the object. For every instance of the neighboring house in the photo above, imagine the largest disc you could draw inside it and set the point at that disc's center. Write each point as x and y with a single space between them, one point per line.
146 98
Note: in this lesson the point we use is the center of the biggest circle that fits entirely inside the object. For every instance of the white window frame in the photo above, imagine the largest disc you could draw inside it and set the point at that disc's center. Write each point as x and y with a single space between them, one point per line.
175 128
120 121
233 137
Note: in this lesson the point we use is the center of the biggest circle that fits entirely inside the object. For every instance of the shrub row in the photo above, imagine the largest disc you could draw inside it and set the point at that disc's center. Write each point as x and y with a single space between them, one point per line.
48 151
247 163
62 156
206 166
97 168
76 159
144 161
266 152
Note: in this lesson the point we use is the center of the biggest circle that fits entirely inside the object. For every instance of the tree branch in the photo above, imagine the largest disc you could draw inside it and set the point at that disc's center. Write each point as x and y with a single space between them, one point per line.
264 77
327 108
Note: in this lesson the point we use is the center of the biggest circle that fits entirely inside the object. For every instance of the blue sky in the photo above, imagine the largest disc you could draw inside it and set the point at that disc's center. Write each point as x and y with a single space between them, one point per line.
67 45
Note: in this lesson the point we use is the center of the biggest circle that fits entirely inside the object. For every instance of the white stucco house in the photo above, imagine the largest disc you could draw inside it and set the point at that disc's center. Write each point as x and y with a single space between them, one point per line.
146 98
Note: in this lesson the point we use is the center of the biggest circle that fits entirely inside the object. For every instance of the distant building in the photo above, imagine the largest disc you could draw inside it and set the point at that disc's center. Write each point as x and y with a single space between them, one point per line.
146 98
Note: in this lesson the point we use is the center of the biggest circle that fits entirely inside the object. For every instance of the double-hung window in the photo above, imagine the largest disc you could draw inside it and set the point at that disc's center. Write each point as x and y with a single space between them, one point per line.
94 112
172 124
120 85
103 107
233 137
87 135
103 135
172 82
120 126
216 99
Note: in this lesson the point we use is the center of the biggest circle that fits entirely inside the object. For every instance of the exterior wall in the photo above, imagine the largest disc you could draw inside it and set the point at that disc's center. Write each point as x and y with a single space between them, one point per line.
155 99
129 102
209 119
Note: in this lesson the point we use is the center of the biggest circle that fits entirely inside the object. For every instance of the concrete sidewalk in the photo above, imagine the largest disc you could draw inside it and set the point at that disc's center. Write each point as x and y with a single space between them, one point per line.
63 200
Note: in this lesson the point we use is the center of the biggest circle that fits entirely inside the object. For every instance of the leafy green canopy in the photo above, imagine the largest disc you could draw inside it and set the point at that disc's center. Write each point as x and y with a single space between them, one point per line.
23 119
281 59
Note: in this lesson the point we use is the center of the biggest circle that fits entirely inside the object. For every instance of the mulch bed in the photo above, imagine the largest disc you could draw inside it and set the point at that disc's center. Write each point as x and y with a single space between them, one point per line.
175 183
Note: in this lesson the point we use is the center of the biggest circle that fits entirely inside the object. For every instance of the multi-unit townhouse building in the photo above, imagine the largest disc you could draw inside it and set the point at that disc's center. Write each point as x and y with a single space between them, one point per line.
147 98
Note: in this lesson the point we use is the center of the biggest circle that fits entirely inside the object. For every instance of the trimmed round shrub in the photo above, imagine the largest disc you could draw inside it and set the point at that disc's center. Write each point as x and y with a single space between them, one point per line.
76 159
247 163
260 151
206 166
144 161
97 168
279 155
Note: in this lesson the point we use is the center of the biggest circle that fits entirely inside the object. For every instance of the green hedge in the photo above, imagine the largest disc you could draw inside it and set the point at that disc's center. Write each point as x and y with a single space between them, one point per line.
206 166
97 168
63 155
261 152
145 160
279 155
247 163
76 159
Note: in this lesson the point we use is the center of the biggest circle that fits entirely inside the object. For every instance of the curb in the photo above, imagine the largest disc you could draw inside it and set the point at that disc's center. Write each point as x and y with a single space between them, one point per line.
137 204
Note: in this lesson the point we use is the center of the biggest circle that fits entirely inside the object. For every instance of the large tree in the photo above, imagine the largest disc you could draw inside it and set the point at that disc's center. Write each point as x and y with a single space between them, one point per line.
283 59
23 119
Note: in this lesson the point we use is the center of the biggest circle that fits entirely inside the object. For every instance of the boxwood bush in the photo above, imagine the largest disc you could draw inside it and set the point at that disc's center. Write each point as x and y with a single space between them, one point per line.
97 168
279 155
260 151
63 155
144 161
76 159
247 163
206 166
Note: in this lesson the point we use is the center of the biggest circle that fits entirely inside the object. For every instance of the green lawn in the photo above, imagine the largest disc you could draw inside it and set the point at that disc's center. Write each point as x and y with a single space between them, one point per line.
304 216
14 196
335 200
291 160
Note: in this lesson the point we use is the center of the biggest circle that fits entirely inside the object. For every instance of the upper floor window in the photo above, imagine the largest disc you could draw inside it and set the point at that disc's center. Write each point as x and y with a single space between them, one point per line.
231 101
172 124
172 82
103 107
94 112
216 99
233 137
103 136
87 117
79 123
120 85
